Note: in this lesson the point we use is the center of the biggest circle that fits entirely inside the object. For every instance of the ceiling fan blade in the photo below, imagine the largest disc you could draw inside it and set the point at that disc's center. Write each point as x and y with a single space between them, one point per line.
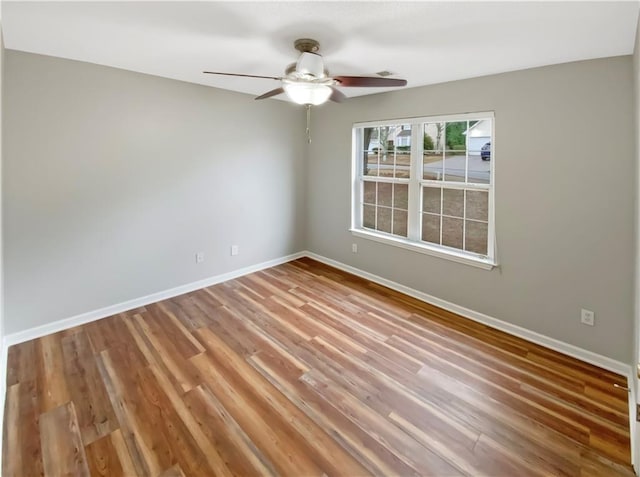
369 81
337 96
273 92
238 74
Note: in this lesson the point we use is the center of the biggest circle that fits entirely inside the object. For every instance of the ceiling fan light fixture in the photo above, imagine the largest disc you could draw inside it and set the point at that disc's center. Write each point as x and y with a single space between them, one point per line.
307 93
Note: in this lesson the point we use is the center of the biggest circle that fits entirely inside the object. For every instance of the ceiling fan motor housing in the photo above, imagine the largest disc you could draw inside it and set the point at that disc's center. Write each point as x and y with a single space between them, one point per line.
306 45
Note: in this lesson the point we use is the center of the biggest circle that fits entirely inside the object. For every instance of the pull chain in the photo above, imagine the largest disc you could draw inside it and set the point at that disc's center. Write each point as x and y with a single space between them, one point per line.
309 123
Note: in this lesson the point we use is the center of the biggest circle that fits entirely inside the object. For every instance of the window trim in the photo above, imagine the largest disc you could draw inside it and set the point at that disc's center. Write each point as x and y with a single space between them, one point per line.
487 262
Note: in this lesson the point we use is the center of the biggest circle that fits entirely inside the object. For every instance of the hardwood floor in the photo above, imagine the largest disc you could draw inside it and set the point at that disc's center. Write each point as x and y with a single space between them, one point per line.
304 370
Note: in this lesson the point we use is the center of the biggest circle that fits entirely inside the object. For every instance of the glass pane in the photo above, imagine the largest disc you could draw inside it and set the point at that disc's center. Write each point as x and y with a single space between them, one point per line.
371 165
384 193
455 163
369 216
476 237
453 202
433 143
401 196
371 151
431 199
452 232
477 205
401 137
400 222
479 147
433 133
369 193
431 228
455 146
384 219
479 170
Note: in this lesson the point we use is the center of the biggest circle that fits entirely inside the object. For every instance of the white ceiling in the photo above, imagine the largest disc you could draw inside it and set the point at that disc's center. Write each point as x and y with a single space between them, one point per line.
423 42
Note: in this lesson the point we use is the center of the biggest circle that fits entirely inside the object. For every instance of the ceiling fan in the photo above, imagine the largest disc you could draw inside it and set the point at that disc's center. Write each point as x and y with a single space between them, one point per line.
308 82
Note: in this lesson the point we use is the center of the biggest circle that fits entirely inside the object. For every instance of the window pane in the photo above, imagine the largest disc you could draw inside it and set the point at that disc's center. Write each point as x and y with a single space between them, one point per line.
477 205
400 222
479 147
432 138
453 202
432 168
431 199
369 195
384 219
384 193
455 163
401 137
452 232
476 237
431 228
455 147
479 170
371 164
401 196
371 151
369 216
433 143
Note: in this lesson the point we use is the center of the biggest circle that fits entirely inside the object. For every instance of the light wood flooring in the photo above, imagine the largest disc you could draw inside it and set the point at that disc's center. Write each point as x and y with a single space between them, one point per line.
304 370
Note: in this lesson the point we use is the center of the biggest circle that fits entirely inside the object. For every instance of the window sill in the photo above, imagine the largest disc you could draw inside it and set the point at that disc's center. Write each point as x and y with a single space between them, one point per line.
484 263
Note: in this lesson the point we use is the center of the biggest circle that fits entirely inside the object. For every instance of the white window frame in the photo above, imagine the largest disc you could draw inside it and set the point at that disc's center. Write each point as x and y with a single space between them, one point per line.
413 241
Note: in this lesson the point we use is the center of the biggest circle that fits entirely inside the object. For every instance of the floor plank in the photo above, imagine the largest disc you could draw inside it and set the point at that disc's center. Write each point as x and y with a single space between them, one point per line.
86 388
303 369
62 449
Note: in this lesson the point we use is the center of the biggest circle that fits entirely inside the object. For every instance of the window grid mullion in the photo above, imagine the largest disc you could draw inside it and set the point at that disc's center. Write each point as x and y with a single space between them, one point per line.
464 219
441 211
466 155
444 151
456 185
375 210
393 191
414 215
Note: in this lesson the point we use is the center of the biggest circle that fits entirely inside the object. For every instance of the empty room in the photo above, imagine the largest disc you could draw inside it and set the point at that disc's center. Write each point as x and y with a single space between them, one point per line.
317 238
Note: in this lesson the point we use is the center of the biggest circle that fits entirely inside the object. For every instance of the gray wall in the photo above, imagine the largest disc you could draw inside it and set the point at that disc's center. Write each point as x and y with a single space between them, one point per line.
564 150
113 180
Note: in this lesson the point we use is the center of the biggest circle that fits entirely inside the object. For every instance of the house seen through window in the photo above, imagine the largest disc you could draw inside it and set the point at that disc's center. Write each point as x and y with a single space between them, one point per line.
427 184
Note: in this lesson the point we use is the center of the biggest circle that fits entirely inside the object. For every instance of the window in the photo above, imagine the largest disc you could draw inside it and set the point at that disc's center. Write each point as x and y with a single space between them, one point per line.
427 184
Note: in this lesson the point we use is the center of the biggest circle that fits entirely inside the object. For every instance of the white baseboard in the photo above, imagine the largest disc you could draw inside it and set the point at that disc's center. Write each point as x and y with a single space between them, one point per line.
552 343
633 423
60 325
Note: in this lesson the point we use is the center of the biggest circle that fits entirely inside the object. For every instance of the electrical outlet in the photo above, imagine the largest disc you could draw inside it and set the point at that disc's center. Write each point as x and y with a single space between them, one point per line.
235 250
199 257
587 317
354 247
